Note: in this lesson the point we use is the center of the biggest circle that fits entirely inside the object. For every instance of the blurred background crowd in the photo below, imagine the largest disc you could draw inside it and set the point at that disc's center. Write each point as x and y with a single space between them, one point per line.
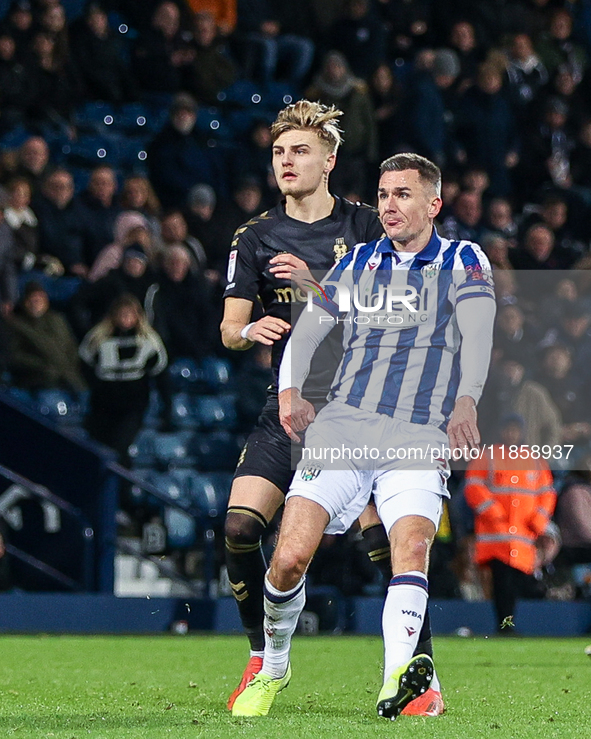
134 141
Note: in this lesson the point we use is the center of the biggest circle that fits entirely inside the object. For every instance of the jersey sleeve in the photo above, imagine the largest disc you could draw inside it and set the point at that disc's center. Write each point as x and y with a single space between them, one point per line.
243 275
473 275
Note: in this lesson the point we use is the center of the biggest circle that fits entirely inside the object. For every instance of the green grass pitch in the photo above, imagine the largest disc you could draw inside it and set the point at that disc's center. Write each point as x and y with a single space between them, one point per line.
156 687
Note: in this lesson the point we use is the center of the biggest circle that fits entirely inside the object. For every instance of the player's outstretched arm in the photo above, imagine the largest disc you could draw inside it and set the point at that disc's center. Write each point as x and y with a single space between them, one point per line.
239 334
475 318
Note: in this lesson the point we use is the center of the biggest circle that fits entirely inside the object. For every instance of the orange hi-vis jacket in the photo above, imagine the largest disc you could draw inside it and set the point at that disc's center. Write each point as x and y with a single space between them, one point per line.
513 500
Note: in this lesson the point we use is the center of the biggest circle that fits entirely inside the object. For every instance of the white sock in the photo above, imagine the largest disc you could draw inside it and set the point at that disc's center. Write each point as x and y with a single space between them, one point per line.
402 618
282 610
435 684
254 653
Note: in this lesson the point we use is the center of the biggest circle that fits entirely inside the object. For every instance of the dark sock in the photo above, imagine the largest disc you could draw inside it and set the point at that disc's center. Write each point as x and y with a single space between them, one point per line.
374 542
246 569
425 643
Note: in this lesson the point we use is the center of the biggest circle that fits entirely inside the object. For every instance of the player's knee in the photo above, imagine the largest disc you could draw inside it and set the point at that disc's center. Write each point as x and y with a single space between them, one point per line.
411 553
288 567
242 528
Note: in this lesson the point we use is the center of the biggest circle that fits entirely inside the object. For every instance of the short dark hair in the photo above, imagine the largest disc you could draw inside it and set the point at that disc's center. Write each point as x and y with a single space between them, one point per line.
428 172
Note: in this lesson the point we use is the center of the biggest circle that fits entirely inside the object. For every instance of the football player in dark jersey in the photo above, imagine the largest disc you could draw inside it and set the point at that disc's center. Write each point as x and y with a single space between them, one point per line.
310 229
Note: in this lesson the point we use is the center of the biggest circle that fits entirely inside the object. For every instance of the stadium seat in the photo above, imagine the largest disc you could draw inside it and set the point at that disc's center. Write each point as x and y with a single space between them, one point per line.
184 374
208 492
171 449
242 93
180 529
277 95
143 450
215 411
216 373
184 411
154 411
218 450
60 406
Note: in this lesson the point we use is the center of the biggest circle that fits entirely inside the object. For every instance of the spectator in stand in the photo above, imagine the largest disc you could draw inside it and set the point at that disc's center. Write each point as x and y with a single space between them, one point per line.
224 13
134 276
500 219
175 232
570 397
556 47
60 217
138 194
488 130
336 85
526 77
53 21
497 250
177 158
580 162
208 224
130 228
361 37
466 221
246 203
212 69
122 352
387 94
514 338
554 214
19 24
513 502
33 161
268 46
565 88
574 333
99 211
43 353
462 40
255 161
16 86
510 391
181 307
162 54
100 58
537 252
432 108
410 26
23 223
57 83
573 516
8 276
547 151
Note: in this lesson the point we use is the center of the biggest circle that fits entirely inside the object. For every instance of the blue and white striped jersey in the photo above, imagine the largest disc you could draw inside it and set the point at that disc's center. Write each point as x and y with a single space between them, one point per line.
403 360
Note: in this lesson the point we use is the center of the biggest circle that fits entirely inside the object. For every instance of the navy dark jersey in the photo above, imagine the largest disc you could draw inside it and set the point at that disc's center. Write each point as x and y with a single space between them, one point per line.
319 244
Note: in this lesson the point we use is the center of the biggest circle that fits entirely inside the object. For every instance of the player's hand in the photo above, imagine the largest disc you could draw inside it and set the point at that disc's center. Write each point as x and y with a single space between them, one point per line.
290 267
267 330
295 413
462 429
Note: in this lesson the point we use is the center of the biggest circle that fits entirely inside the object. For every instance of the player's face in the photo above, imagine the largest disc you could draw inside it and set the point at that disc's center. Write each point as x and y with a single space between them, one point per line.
406 206
301 163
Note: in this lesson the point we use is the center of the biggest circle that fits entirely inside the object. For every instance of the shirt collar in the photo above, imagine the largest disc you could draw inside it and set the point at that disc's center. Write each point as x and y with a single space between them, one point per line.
427 254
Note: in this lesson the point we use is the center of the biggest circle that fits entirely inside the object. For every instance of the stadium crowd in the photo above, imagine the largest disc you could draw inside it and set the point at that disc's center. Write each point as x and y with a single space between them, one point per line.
134 141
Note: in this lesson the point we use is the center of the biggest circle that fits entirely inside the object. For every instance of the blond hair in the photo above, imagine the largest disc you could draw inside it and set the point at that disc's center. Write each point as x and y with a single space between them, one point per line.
106 328
307 116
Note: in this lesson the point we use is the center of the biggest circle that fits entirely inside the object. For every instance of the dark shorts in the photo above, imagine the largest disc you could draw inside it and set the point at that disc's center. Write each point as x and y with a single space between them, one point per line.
269 452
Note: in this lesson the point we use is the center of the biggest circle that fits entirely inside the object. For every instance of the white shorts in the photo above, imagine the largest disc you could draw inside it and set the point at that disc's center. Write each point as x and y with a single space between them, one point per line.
400 488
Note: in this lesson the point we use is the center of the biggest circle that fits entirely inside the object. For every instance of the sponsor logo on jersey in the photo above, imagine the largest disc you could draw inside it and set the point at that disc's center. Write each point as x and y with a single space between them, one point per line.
310 472
339 249
232 265
289 295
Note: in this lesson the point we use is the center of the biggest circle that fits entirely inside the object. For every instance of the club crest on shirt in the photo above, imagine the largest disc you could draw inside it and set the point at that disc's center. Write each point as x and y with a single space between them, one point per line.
339 249
310 472
430 270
